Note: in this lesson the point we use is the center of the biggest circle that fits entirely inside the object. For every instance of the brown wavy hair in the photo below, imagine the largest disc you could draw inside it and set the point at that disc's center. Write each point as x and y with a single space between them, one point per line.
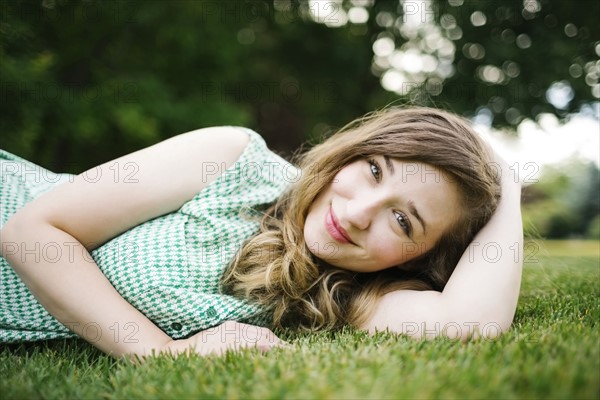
276 269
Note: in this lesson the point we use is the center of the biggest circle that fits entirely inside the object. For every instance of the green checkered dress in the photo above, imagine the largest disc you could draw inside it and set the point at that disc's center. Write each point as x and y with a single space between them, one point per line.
169 267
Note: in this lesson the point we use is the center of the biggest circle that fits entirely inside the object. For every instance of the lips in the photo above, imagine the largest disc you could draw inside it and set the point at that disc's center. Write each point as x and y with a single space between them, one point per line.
335 229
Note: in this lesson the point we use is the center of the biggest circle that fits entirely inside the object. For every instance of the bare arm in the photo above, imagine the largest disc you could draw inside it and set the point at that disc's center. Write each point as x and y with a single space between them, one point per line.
481 296
76 293
78 216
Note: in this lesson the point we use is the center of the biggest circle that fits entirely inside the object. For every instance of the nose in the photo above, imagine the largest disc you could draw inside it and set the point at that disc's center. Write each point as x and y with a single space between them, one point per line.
361 211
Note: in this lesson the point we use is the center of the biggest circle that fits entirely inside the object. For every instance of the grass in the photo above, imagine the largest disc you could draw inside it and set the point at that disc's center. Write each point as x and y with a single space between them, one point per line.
552 352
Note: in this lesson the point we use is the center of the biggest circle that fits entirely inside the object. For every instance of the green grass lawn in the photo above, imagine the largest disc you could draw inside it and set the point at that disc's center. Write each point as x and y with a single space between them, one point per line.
552 352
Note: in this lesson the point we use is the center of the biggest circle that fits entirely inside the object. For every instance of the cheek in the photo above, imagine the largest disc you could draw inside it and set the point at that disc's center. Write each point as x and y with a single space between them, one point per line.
388 253
315 216
392 253
310 224
345 180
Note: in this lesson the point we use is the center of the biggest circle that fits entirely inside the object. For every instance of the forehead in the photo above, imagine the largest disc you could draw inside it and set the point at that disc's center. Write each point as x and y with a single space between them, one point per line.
415 172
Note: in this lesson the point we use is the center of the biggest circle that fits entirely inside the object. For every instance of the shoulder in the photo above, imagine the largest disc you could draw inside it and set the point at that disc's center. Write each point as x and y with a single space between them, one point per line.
151 182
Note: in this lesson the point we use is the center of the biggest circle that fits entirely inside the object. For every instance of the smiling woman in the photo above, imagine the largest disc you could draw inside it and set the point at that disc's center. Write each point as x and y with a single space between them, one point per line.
348 216
382 213
371 218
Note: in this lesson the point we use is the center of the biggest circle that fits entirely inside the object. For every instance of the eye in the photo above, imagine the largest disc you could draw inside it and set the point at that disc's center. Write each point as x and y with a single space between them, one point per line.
375 169
404 222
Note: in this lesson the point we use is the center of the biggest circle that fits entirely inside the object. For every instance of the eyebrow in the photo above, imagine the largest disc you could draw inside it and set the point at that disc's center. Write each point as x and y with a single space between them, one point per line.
413 211
389 165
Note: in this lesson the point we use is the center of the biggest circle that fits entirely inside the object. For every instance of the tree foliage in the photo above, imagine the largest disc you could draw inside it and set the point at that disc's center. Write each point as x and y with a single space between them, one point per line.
501 58
84 81
564 203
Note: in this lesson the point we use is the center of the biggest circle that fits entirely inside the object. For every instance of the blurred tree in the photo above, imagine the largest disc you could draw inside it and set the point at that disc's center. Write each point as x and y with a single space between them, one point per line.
564 203
84 81
501 60
594 228
588 204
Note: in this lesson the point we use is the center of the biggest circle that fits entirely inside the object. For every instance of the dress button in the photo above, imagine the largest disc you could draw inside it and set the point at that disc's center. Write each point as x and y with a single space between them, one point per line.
176 326
211 312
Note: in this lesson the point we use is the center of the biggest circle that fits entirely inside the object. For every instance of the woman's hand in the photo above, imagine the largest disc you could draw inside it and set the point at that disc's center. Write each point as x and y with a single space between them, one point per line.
230 335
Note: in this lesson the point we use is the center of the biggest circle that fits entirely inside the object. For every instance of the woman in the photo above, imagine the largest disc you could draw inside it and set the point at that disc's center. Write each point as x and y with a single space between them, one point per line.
396 222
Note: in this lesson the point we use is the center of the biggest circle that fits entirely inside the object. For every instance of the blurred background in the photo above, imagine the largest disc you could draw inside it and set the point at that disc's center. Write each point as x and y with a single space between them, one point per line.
86 81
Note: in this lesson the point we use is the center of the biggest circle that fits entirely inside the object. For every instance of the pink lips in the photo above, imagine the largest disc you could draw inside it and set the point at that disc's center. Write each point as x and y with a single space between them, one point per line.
335 230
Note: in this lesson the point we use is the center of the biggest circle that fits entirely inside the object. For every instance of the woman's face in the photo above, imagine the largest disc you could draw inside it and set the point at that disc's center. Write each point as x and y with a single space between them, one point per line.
379 213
